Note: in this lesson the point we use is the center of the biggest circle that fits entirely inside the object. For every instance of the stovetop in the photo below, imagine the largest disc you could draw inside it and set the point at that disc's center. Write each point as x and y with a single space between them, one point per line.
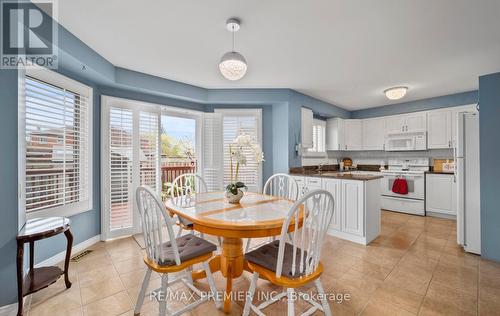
414 165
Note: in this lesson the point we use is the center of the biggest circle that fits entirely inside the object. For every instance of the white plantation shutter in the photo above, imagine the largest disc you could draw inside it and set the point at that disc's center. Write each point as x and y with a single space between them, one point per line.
57 143
212 151
130 157
237 122
121 166
149 131
319 137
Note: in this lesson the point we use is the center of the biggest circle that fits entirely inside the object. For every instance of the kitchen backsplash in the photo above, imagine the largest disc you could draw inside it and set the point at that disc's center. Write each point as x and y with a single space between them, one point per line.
375 157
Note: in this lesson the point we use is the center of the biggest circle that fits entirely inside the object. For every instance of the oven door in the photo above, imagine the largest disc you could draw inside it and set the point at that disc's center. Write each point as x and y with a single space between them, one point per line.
415 185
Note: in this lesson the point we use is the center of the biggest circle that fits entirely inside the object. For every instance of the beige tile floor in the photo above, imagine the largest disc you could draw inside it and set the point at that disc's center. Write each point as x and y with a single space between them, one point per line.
414 267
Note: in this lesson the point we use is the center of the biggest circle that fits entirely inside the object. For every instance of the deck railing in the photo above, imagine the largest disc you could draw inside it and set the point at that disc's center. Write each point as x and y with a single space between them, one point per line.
169 173
45 188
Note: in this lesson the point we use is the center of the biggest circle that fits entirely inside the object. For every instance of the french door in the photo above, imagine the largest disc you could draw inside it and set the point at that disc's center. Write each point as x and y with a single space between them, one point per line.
130 156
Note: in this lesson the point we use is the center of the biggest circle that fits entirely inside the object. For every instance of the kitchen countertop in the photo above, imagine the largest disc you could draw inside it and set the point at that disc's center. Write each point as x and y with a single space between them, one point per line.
347 175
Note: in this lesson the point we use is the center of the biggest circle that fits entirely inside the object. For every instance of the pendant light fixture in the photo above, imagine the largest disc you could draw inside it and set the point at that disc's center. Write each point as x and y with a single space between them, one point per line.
233 65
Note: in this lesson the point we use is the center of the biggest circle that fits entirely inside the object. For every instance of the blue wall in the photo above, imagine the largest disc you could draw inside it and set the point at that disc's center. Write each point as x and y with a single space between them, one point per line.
489 129
457 99
8 189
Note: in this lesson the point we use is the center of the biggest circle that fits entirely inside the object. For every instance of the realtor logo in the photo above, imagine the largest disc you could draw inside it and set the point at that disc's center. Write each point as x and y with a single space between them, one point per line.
29 34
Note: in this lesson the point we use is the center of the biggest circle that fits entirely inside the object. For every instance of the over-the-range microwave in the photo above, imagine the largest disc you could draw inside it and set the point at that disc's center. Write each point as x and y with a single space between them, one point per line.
406 141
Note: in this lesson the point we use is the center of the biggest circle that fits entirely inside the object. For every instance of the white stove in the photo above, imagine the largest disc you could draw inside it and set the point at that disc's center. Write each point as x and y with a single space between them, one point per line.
413 171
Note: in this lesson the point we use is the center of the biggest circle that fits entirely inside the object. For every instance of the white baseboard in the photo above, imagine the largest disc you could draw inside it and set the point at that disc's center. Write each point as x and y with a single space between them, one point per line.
75 249
348 237
11 309
8 310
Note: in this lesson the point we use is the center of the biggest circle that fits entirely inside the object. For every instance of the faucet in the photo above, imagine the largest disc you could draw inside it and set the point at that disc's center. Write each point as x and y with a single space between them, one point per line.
320 166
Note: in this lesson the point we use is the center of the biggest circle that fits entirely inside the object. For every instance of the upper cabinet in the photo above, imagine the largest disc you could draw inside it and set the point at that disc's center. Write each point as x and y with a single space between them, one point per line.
306 128
370 134
439 130
395 124
374 133
335 134
414 122
441 126
353 135
344 134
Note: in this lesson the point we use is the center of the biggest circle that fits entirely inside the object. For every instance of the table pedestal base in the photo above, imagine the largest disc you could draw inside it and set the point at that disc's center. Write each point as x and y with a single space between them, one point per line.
231 263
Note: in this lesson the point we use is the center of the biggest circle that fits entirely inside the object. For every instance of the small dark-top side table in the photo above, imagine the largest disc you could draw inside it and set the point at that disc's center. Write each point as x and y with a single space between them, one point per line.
39 278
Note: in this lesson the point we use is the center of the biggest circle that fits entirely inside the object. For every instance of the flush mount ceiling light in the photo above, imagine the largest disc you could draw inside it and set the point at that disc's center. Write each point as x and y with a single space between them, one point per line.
233 65
395 93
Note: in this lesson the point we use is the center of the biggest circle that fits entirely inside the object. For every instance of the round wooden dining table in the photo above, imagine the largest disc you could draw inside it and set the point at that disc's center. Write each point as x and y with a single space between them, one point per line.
257 215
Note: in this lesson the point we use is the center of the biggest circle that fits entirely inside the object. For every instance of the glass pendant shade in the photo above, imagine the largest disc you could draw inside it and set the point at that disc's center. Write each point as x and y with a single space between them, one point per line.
233 66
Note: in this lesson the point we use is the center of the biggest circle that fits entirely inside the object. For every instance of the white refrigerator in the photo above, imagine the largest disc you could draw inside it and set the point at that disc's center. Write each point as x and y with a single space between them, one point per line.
467 178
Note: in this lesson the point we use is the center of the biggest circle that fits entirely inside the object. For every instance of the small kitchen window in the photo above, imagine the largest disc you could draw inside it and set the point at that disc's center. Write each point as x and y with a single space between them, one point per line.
319 139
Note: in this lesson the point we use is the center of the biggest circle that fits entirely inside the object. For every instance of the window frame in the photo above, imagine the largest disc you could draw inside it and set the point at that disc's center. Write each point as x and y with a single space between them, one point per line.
257 112
56 79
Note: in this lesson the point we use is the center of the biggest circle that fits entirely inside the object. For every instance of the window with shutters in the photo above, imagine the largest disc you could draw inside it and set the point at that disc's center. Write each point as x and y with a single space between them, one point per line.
55 123
319 137
236 122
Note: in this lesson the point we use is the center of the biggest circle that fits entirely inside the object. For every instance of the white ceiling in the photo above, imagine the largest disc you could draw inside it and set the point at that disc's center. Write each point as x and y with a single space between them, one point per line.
345 52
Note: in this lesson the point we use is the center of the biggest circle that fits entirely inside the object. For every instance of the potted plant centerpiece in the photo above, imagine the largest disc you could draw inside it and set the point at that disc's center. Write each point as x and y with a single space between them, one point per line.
234 190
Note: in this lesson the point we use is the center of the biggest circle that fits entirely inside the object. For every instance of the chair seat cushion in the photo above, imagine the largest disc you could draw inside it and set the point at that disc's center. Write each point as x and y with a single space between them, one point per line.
189 246
266 256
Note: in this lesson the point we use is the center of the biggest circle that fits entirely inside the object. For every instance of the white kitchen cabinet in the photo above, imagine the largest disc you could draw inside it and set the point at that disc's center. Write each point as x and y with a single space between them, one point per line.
352 207
306 127
358 205
395 124
334 186
307 184
353 134
439 129
416 122
374 133
301 182
440 194
344 134
413 122
335 134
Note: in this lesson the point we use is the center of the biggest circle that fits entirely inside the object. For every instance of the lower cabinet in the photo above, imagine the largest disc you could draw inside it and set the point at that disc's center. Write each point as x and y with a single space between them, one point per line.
356 214
353 207
334 186
307 184
357 209
440 194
